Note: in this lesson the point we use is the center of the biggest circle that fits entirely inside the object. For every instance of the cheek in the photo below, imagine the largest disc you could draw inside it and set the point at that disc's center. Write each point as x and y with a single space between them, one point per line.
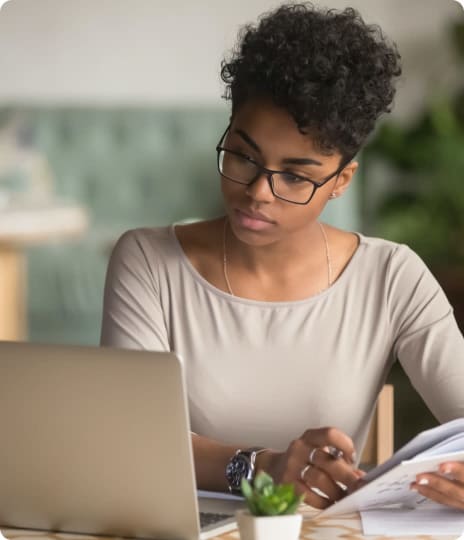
232 190
321 198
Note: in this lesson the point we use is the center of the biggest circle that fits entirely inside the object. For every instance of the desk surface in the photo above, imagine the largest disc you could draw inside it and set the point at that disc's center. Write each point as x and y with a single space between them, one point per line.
346 528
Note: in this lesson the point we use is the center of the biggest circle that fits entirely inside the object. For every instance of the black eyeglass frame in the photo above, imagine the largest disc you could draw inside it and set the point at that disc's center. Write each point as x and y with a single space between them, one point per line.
270 172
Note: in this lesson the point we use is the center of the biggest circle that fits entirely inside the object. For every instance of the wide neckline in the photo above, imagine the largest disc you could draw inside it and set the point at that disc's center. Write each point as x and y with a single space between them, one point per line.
263 303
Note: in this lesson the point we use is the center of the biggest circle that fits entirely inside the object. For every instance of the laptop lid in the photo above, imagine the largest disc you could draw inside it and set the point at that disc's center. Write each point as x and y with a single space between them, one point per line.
95 440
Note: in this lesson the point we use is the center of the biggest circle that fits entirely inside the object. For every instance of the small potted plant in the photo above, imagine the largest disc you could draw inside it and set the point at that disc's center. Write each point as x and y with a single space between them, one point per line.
271 513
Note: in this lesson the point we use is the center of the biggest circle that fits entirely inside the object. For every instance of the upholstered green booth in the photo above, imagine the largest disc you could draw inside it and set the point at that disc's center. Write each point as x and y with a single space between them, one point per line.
130 167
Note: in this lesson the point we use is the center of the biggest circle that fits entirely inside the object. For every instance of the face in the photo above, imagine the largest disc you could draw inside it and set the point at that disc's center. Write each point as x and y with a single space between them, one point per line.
270 137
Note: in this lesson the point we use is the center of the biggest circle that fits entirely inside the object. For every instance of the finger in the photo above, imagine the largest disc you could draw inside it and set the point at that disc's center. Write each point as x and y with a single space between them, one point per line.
332 437
453 469
316 478
447 490
438 496
337 469
359 484
311 498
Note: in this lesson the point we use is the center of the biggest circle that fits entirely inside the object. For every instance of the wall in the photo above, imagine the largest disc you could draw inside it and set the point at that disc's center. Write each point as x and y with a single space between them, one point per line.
157 52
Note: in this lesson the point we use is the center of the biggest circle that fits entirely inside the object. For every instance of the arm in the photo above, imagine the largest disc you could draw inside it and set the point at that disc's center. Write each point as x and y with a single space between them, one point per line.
430 348
428 342
132 313
133 319
306 454
211 458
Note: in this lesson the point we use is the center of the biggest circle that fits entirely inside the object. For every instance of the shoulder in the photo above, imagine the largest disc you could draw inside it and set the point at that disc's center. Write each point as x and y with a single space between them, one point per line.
162 245
200 242
143 237
396 265
412 291
369 255
140 252
379 252
400 259
148 242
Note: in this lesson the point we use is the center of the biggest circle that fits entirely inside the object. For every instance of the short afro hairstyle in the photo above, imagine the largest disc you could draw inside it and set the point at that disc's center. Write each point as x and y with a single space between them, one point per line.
333 73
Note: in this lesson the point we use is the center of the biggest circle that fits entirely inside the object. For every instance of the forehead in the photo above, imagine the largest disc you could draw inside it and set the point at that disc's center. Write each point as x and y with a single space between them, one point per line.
275 131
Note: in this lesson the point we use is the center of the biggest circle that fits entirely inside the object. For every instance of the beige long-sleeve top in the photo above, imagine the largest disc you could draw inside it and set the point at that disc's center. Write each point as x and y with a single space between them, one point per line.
261 373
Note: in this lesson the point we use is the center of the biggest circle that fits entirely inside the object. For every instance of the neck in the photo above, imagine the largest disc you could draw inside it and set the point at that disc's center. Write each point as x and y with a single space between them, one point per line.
302 252
280 264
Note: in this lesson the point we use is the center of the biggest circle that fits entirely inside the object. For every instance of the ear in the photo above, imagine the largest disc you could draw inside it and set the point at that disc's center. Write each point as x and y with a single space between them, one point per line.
344 179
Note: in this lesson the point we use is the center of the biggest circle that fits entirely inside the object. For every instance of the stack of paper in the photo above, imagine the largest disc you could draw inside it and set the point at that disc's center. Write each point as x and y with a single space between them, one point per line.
413 521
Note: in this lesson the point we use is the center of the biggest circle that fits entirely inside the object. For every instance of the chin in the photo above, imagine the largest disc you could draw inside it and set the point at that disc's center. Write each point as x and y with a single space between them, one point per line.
251 235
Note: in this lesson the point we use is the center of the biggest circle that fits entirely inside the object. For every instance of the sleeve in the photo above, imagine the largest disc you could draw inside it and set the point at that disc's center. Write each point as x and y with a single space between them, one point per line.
427 340
132 313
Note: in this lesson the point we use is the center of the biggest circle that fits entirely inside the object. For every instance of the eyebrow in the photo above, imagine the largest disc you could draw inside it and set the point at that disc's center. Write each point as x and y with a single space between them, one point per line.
293 160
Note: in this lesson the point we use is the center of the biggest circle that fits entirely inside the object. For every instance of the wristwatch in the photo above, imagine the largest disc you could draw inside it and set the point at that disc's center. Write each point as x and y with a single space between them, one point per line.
242 465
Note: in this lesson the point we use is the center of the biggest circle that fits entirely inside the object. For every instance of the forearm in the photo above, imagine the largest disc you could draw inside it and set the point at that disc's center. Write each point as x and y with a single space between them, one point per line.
211 459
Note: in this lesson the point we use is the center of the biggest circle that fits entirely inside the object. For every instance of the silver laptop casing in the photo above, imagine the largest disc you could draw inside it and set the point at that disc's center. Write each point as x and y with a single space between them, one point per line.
97 441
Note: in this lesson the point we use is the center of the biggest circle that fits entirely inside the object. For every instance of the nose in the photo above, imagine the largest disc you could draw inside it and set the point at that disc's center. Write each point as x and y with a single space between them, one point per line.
260 189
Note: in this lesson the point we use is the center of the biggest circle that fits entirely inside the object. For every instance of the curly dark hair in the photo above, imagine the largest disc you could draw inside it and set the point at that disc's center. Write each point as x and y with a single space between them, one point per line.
331 71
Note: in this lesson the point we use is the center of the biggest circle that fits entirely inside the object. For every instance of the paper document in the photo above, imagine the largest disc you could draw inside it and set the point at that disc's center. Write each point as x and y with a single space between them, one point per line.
388 484
421 443
392 487
410 522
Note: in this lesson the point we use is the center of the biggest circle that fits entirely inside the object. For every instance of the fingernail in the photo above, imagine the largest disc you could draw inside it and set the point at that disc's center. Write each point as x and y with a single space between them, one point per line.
353 457
447 469
423 482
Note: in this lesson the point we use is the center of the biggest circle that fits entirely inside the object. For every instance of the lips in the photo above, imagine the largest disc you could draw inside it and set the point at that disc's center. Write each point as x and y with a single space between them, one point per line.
250 220
255 215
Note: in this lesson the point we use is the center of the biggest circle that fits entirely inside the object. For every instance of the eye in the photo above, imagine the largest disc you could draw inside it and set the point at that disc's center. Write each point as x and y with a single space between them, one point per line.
245 157
291 178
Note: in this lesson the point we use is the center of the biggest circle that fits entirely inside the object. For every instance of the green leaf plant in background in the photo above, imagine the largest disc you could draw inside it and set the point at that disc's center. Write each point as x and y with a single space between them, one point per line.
422 204
425 208
264 498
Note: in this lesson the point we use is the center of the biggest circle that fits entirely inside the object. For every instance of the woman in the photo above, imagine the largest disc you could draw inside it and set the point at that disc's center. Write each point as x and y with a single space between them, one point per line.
287 325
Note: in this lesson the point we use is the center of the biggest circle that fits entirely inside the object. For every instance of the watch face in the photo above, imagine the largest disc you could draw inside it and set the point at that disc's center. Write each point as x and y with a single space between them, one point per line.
237 468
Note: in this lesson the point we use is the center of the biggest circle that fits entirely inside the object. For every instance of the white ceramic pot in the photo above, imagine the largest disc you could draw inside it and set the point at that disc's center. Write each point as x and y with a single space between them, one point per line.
268 527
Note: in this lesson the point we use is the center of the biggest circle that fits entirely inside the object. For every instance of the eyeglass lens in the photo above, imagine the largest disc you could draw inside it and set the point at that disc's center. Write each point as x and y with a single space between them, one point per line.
285 185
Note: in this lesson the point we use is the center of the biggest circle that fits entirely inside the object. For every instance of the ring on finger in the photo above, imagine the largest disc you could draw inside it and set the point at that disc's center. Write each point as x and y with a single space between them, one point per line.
311 455
304 470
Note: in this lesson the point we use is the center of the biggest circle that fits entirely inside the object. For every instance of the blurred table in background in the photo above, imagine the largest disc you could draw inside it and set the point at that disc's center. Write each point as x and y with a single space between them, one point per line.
23 224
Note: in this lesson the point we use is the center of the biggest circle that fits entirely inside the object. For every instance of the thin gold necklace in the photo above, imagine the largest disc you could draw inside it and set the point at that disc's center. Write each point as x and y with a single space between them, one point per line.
224 254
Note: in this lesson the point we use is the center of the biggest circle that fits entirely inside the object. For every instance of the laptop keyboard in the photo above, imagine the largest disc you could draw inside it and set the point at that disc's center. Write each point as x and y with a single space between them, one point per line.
210 518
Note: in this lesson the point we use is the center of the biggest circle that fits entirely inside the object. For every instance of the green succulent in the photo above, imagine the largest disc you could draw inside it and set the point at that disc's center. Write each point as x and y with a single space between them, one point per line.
265 498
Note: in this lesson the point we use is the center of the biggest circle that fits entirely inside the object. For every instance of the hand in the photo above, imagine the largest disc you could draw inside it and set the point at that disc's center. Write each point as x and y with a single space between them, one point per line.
332 475
445 487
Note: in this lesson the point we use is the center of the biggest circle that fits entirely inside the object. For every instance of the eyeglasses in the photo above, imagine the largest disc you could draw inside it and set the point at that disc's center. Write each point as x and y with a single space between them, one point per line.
287 186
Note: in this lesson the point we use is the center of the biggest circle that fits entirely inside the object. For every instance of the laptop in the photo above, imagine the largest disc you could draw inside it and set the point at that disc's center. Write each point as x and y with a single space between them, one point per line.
97 441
